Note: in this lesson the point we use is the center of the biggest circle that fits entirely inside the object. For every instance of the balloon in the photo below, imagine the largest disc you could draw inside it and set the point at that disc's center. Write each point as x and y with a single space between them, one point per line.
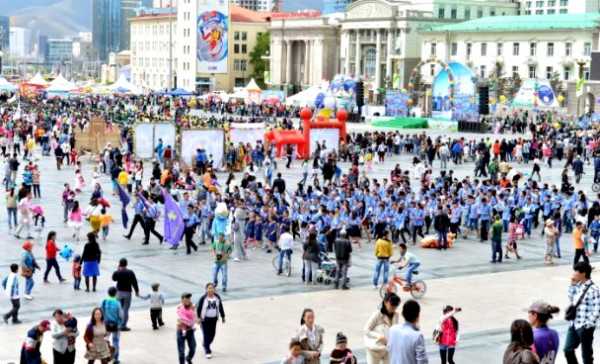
502 99
409 102
329 102
492 101
305 114
324 114
342 115
560 98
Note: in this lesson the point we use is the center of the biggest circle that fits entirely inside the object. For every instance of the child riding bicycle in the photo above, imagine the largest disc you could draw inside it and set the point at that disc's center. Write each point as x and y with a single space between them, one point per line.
408 260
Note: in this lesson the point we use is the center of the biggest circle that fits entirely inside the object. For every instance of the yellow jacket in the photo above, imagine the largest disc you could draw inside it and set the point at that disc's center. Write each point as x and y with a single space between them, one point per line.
383 248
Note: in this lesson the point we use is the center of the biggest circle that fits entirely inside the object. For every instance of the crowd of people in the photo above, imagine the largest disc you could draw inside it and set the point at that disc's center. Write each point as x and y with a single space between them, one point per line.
335 208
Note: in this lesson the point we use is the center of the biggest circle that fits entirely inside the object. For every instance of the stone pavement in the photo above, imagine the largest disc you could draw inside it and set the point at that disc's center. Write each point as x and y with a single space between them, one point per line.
253 284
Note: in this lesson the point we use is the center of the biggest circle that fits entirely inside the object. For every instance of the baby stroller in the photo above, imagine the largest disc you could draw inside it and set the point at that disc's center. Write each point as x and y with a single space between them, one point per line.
327 269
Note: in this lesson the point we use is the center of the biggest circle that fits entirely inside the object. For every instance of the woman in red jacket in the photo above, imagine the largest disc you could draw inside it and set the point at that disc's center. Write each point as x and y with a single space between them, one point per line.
449 334
51 262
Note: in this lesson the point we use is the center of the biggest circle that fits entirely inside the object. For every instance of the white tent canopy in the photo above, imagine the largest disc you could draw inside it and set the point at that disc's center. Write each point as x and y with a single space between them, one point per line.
38 80
123 86
6 86
306 97
61 84
252 86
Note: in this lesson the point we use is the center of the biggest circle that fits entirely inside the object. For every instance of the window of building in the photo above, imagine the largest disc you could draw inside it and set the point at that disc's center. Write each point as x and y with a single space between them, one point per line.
539 12
468 13
482 71
480 13
240 82
483 49
563 11
454 49
432 70
492 12
528 4
549 72
539 4
244 36
236 48
532 71
499 49
244 50
564 2
515 71
432 49
551 3
243 65
527 12
441 13
550 50
236 36
453 13
587 49
567 73
586 73
515 49
551 11
370 62
532 49
469 48
568 49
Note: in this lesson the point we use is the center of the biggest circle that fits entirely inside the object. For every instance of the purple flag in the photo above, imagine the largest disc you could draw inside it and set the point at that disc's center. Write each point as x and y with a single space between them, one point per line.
174 225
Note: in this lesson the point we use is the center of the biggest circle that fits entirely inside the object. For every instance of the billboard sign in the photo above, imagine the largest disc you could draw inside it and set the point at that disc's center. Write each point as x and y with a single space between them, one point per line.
212 33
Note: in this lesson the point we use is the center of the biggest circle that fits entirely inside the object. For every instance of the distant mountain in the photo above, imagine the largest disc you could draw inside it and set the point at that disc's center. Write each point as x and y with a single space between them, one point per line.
55 18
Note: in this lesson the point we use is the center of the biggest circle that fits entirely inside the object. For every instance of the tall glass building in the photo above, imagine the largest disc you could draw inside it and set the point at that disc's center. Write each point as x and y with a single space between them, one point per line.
335 6
110 31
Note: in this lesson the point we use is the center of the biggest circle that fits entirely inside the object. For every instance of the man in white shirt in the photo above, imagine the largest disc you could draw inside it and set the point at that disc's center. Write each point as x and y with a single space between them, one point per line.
10 284
406 344
286 246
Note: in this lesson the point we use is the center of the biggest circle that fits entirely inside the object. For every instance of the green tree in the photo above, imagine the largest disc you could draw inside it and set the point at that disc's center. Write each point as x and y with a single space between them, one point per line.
259 65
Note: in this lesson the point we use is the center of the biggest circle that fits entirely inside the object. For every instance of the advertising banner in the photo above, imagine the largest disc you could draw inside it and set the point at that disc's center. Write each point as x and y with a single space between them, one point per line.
396 103
463 105
210 140
535 94
212 33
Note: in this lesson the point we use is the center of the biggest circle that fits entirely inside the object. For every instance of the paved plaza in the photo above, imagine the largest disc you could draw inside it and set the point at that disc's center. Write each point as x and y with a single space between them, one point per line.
263 310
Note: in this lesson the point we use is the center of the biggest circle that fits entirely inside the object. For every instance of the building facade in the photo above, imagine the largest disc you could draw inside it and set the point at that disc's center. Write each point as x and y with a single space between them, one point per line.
550 7
244 27
534 46
305 50
255 5
20 42
60 51
153 53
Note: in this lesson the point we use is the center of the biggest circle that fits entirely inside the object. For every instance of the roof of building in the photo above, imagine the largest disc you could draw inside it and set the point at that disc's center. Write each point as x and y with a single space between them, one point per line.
243 15
519 23
153 13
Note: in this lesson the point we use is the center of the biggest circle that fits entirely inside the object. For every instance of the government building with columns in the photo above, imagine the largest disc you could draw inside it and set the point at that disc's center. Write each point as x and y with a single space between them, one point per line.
376 40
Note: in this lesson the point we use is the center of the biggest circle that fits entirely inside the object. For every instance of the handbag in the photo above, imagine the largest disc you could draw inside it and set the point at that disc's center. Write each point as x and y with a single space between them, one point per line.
571 311
437 335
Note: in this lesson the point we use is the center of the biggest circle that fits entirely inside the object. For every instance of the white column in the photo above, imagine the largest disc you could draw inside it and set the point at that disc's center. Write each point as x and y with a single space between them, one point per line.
378 61
288 61
346 35
388 60
306 62
357 60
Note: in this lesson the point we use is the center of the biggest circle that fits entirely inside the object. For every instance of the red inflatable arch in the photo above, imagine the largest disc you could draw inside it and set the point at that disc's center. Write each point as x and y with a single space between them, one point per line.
282 138
321 123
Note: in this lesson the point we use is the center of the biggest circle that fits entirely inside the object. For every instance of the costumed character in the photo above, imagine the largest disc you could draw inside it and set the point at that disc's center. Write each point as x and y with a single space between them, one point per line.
221 223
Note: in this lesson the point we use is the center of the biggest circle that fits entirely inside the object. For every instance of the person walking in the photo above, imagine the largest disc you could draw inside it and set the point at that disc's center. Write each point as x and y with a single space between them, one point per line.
377 329
28 267
310 258
186 321
497 228
448 334
91 261
151 215
221 250
383 253
310 336
545 339
406 344
11 208
95 339
63 344
551 234
343 254
126 284
583 314
30 351
138 218
441 224
208 310
113 319
578 243
51 262
521 341
238 227
24 206
10 284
